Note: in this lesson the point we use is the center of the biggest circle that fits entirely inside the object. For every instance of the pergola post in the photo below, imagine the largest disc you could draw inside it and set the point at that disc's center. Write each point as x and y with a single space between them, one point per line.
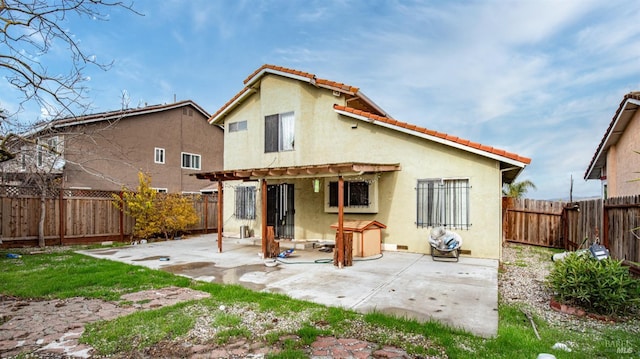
263 206
340 239
220 215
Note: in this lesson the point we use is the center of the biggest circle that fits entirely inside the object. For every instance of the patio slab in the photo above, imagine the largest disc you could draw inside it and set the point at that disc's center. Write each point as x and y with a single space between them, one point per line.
462 294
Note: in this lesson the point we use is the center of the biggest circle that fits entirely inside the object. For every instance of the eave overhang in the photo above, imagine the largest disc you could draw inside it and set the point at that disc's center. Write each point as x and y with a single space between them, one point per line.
626 111
511 165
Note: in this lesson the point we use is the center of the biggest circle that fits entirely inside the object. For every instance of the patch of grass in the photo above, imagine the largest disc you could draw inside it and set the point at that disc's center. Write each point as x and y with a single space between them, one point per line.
308 334
225 336
66 274
138 330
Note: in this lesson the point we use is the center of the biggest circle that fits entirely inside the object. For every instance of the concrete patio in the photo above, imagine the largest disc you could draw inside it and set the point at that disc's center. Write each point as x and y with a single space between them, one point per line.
462 294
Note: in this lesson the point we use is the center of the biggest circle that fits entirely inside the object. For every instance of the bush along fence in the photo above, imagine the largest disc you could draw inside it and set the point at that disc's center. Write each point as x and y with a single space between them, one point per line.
615 222
72 216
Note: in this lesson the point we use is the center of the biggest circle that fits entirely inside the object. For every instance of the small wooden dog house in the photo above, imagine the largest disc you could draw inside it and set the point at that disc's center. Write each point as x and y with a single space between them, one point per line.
367 238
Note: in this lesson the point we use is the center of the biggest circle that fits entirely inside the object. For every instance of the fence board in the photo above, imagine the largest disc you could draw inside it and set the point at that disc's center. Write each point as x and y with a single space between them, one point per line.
89 216
532 221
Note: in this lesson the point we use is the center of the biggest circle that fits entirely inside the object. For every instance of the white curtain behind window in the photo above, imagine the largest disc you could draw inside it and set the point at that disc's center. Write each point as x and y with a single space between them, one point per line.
287 131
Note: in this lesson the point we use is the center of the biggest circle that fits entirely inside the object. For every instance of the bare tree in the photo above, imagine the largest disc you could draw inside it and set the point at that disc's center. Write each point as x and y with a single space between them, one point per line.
28 30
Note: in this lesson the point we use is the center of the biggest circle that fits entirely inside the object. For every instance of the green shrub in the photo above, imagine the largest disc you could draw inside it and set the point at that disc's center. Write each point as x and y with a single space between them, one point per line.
598 286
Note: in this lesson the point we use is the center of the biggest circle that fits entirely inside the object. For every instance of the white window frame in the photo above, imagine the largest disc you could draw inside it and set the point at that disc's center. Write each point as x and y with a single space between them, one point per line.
190 165
238 126
284 134
159 152
443 202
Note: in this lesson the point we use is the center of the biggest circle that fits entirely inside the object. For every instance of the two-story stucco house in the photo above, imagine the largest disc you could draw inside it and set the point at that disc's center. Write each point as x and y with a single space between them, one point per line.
293 141
616 162
105 151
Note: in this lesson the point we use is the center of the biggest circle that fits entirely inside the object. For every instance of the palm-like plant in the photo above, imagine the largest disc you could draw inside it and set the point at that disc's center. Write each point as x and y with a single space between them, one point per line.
517 189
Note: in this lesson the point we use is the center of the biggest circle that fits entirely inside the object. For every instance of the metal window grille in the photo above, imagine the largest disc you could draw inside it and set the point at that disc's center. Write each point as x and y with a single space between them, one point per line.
245 202
443 202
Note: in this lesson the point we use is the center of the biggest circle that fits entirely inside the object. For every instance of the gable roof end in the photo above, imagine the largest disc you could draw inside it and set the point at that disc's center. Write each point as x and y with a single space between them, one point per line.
253 79
628 107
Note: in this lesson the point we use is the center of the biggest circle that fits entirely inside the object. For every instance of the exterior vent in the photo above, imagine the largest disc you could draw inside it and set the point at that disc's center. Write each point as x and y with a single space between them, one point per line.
403 247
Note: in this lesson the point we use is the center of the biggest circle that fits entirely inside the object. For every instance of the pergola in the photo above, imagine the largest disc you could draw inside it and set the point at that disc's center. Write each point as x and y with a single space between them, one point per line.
294 172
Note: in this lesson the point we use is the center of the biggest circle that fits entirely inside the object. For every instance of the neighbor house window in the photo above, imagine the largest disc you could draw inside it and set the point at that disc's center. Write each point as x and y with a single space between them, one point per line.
191 161
443 202
245 202
238 126
279 132
47 149
159 155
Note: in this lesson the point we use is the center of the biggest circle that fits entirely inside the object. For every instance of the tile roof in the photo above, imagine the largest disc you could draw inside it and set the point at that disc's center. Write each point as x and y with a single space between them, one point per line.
279 70
599 157
441 135
339 86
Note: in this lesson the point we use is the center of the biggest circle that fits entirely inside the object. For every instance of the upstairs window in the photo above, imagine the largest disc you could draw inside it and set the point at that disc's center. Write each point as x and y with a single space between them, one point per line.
190 161
443 202
245 202
159 155
279 132
238 126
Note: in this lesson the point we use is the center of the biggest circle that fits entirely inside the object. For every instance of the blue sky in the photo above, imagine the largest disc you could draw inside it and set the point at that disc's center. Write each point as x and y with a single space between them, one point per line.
538 78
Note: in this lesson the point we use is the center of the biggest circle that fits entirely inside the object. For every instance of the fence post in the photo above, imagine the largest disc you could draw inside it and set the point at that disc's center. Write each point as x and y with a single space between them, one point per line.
121 216
205 201
63 215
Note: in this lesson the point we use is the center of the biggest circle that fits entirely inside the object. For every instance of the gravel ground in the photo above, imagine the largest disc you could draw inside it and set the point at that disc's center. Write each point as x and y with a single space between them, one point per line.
521 280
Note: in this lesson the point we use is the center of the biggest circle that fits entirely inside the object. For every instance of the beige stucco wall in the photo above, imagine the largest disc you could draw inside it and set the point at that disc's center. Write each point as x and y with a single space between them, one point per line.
322 136
623 163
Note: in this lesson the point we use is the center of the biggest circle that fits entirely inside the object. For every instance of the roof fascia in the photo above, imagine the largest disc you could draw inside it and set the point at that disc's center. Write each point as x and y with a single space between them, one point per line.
267 70
372 104
217 119
435 139
606 144
117 115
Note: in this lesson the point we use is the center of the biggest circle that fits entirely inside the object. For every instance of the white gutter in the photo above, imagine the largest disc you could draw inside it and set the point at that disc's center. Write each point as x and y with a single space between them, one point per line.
435 139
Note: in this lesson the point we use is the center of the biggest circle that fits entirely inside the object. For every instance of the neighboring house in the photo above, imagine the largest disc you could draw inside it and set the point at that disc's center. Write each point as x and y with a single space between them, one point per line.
105 151
292 138
616 162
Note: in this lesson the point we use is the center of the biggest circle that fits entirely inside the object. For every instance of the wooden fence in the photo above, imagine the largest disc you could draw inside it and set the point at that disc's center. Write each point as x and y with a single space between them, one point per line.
614 222
78 217
533 222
